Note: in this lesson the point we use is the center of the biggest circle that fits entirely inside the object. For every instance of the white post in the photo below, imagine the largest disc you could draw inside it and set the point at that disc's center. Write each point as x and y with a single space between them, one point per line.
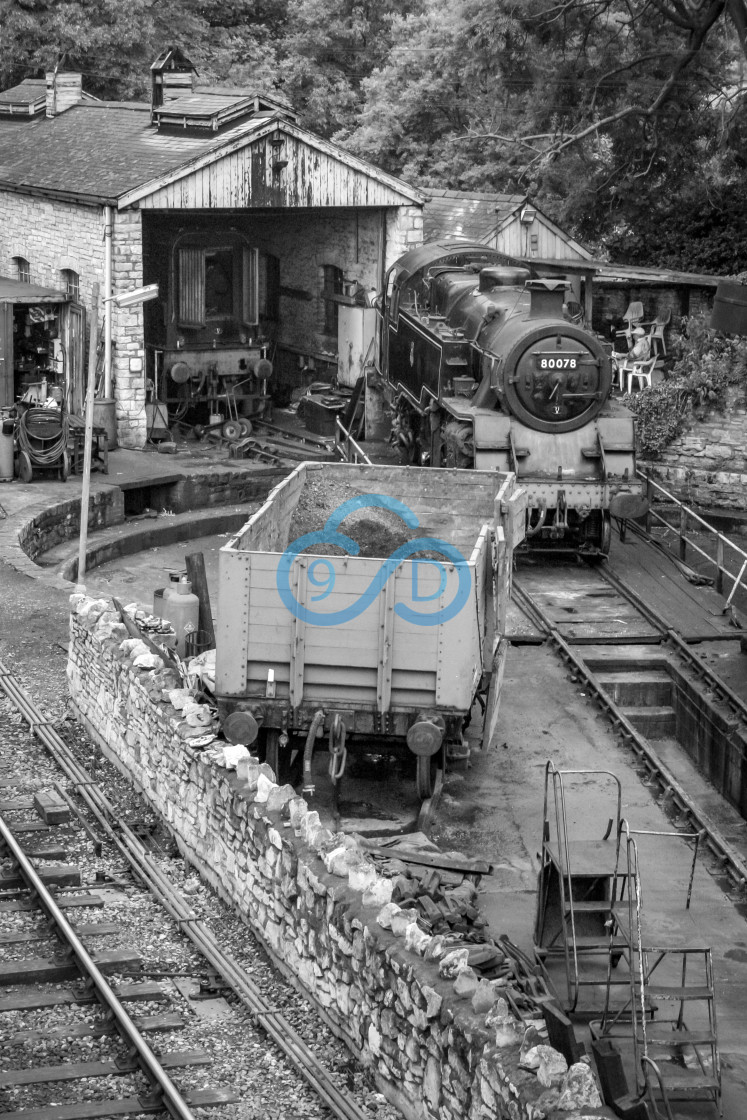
93 346
108 230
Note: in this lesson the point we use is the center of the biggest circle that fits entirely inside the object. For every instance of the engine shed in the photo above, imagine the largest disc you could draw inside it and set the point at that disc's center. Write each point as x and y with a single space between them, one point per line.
257 232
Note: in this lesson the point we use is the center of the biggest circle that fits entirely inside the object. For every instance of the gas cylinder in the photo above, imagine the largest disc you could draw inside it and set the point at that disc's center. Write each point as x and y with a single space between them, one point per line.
163 594
182 609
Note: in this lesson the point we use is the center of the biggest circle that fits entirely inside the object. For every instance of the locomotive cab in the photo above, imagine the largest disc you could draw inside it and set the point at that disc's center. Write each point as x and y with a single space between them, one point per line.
484 370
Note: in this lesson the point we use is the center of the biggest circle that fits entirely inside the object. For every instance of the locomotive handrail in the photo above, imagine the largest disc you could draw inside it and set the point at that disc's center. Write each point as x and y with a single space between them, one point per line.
687 515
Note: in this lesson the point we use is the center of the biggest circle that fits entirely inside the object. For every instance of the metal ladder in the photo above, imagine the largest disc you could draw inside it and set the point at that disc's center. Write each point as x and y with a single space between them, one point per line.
581 886
673 1062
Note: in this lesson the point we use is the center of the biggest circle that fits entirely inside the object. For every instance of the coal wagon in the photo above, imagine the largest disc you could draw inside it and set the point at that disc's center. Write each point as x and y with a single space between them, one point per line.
365 606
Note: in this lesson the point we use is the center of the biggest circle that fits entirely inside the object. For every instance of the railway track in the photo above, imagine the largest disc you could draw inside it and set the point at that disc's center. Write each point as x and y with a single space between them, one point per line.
603 629
83 1029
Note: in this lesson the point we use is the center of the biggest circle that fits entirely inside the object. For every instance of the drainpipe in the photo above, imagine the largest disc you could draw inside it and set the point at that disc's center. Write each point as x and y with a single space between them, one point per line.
108 227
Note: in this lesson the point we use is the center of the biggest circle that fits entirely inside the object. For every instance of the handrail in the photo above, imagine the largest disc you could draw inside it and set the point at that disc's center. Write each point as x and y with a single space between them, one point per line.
687 514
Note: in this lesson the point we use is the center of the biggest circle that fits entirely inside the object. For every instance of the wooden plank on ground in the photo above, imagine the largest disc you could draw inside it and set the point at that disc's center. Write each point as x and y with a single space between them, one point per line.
168 1021
145 990
65 876
426 858
41 970
125 1106
64 901
86 929
71 1071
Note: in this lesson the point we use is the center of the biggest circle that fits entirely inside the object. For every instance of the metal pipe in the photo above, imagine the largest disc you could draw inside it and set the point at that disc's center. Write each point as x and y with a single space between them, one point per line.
108 232
308 751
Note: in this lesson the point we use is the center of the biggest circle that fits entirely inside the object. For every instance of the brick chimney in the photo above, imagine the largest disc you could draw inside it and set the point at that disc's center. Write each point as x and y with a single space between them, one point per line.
63 91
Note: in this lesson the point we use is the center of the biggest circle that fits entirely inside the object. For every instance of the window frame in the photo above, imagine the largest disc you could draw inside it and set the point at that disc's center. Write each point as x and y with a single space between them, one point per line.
190 268
23 268
71 280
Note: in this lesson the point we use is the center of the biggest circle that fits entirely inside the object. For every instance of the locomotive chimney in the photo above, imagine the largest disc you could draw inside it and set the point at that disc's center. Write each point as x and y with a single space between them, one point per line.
547 298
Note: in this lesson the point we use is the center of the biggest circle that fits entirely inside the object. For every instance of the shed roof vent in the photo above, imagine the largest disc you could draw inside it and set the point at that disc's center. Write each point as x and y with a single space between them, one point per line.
172 75
28 99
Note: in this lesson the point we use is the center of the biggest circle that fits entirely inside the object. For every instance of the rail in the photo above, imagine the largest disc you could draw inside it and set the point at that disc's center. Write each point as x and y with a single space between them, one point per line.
274 1023
686 516
169 1096
347 448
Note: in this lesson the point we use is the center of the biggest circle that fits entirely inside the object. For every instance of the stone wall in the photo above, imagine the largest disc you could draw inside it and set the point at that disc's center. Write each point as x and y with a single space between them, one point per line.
707 464
439 1043
53 235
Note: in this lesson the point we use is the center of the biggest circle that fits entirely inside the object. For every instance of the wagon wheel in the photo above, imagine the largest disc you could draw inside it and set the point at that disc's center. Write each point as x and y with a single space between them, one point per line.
231 430
65 467
246 427
25 470
427 768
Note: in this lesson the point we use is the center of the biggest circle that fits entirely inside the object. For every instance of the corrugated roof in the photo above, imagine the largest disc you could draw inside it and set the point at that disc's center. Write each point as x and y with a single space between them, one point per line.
470 215
98 151
630 274
15 291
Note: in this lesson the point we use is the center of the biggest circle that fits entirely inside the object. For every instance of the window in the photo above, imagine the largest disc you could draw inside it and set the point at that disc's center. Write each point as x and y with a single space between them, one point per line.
216 283
71 280
23 269
332 287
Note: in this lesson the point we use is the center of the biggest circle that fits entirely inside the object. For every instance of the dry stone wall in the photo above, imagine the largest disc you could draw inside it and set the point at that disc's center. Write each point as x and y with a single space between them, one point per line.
707 464
440 1042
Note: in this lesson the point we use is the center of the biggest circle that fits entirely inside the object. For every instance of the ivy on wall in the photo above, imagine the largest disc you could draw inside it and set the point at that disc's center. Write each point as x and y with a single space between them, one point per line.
706 364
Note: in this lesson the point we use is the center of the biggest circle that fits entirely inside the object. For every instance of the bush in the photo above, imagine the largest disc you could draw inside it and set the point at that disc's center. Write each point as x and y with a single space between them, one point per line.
706 363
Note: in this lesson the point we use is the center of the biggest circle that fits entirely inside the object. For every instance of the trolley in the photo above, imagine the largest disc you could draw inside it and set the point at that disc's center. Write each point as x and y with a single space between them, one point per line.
42 435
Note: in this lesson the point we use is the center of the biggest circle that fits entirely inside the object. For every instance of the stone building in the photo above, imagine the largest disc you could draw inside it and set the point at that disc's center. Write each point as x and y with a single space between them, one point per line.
255 230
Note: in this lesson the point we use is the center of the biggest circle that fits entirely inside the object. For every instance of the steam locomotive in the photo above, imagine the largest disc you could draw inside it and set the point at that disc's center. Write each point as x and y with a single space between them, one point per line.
483 368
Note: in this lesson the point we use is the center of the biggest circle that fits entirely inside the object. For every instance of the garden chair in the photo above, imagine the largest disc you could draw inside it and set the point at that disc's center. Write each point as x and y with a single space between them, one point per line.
657 328
632 319
642 371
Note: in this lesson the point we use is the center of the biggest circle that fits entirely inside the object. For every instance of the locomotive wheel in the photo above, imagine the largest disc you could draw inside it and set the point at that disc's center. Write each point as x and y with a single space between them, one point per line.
25 470
459 449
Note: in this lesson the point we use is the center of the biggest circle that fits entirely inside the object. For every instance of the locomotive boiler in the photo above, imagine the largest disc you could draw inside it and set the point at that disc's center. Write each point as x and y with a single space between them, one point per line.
484 369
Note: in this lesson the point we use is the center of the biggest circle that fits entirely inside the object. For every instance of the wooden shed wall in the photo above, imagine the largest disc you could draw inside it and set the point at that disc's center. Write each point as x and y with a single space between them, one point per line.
516 240
245 178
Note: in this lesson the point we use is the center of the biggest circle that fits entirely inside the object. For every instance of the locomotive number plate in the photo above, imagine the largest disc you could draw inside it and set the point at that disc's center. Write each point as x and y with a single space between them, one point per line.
556 360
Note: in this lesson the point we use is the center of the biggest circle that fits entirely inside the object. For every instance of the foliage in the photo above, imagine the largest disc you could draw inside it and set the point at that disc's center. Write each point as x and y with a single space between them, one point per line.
706 364
625 120
113 43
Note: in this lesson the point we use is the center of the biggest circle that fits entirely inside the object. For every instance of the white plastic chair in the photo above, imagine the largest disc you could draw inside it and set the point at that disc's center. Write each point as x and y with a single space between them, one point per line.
657 327
643 371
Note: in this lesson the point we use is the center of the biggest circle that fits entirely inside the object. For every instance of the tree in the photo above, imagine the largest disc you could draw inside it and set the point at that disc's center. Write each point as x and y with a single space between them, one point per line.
593 107
113 43
329 49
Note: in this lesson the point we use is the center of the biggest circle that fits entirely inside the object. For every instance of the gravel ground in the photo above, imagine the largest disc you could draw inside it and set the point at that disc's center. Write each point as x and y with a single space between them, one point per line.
34 646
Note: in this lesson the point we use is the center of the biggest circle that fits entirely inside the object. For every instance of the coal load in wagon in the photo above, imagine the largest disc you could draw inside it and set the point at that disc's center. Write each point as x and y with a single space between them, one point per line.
377 531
